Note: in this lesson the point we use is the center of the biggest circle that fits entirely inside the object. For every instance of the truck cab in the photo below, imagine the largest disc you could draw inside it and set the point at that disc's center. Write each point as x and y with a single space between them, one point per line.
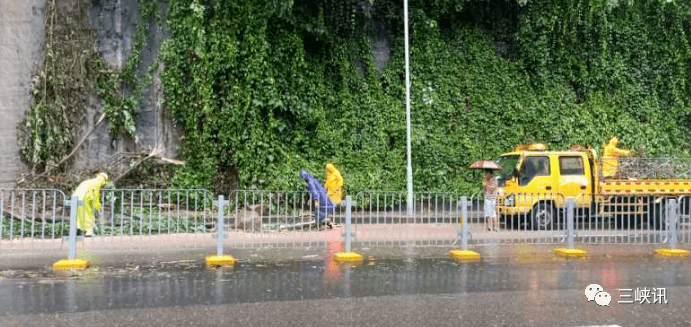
535 182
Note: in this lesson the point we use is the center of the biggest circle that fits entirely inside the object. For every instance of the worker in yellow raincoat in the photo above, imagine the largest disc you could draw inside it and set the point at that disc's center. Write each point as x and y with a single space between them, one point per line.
610 159
89 191
334 183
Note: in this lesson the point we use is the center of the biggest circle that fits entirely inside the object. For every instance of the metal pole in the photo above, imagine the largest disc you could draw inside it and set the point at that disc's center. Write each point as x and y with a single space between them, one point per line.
464 216
220 228
672 223
72 251
2 214
570 207
407 112
348 234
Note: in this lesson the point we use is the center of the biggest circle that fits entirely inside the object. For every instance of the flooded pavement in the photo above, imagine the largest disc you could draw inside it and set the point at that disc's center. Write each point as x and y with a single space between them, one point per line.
188 283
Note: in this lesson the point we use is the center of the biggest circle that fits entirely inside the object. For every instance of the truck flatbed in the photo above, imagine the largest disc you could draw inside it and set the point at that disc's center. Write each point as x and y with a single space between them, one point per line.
645 186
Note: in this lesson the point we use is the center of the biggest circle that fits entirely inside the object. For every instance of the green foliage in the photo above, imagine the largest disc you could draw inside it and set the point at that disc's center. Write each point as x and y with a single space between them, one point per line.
153 226
58 89
125 225
12 228
121 89
270 88
72 71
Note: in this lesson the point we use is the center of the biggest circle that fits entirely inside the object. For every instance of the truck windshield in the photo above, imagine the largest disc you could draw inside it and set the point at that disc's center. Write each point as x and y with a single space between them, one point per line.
507 164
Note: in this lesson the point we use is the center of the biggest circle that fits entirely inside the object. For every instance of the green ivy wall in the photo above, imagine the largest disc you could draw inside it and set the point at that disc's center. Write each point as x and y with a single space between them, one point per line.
267 88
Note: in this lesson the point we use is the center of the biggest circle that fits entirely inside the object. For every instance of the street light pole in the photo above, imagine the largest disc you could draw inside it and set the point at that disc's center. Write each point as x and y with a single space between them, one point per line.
407 112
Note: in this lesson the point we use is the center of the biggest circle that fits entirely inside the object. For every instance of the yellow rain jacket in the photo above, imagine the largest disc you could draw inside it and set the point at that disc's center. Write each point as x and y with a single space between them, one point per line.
610 159
89 191
334 183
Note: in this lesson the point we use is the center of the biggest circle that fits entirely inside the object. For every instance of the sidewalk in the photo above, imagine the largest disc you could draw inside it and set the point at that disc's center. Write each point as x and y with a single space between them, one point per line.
373 240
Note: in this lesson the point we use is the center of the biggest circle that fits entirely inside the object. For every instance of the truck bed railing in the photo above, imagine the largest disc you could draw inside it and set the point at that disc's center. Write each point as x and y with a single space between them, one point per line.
650 168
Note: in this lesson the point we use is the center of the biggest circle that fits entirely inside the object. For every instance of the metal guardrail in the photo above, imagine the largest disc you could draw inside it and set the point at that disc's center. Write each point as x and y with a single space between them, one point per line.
140 212
32 213
145 218
602 219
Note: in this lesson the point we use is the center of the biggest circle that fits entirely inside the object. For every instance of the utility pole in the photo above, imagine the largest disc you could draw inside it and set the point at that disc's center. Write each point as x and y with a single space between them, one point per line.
409 200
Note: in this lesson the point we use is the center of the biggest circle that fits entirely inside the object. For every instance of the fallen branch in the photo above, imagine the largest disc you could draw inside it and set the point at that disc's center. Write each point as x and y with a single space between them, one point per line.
156 153
76 147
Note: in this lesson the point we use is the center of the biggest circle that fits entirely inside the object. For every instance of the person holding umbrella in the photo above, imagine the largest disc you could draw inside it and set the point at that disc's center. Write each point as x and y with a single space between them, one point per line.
490 187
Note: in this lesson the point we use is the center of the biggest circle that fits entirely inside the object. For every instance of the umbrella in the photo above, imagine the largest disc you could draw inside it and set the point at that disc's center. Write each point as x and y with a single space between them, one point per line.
485 164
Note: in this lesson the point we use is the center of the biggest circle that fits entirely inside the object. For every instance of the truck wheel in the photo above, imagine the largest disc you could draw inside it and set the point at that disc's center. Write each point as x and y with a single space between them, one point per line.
515 222
543 216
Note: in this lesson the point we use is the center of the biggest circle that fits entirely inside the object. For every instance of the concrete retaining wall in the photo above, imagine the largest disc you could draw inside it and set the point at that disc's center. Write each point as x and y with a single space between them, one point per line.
21 38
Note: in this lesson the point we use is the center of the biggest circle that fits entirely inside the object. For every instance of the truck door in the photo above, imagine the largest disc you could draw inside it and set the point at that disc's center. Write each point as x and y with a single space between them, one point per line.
535 175
574 181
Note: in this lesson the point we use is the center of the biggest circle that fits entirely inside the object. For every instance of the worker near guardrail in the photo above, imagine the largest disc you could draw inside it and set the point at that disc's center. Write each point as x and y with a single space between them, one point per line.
89 191
610 159
318 193
334 183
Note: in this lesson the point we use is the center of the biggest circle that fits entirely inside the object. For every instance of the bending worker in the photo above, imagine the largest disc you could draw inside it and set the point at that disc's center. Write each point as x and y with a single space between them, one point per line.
610 160
334 183
89 191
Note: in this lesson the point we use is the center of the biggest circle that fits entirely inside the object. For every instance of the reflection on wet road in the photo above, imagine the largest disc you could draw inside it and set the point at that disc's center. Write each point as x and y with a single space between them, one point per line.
191 284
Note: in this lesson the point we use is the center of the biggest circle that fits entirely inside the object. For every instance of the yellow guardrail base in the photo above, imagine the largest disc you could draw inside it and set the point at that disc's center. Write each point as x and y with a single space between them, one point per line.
220 261
564 252
464 255
348 257
71 264
672 252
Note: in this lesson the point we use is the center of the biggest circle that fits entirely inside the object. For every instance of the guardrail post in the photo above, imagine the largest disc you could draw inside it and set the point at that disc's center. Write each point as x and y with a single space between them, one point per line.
465 232
348 255
220 259
74 206
671 218
569 250
221 228
348 231
71 262
570 224
464 253
671 221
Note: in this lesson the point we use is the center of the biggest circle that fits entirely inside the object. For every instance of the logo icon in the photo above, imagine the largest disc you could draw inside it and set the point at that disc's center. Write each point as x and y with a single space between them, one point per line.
603 299
592 290
595 292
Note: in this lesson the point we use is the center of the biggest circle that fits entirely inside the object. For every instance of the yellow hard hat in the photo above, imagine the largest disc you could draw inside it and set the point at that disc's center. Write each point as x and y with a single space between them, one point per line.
103 175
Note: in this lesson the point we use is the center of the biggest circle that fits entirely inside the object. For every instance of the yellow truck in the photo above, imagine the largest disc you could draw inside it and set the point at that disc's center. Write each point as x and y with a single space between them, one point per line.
534 184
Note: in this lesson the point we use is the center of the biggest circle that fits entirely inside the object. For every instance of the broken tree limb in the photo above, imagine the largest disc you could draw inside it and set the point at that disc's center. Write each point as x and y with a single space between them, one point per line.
76 147
155 154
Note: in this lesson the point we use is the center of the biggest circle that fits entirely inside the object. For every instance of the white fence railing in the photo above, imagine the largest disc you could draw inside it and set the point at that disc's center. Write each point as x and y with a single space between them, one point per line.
150 218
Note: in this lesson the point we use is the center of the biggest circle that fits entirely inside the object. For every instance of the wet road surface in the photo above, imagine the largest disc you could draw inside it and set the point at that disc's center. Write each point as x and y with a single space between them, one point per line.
429 292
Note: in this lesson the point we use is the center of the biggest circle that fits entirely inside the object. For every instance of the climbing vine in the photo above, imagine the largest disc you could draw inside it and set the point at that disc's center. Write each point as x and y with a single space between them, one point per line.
121 89
59 89
72 71
264 89
270 88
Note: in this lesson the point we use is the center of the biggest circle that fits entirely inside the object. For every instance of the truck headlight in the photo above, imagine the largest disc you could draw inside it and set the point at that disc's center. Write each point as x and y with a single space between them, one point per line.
509 201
